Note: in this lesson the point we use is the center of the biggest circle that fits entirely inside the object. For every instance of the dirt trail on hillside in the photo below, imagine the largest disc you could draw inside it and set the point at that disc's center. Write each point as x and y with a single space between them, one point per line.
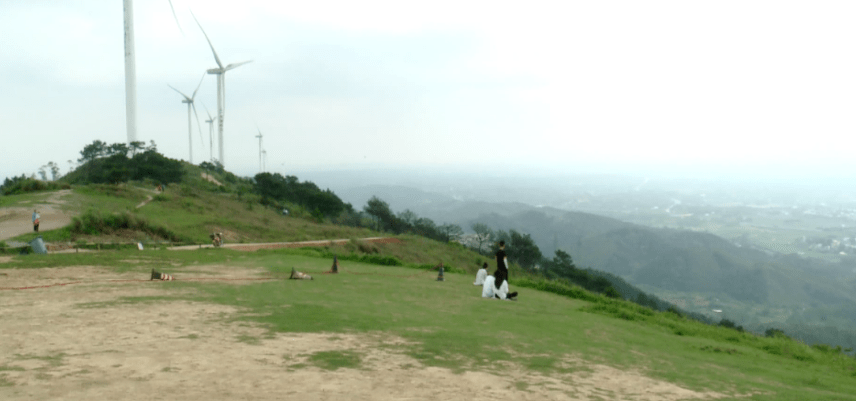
278 245
211 179
15 221
88 341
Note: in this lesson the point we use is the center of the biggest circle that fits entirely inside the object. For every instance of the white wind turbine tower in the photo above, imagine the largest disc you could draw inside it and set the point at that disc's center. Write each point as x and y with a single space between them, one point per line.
131 69
220 72
260 150
264 160
189 101
210 122
130 73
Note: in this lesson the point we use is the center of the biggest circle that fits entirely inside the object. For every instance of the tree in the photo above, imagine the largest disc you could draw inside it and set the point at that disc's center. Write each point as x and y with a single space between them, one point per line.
523 250
42 173
499 236
644 300
384 218
562 264
151 164
118 149
771 332
450 231
483 234
408 218
307 194
136 147
92 151
731 325
425 227
54 170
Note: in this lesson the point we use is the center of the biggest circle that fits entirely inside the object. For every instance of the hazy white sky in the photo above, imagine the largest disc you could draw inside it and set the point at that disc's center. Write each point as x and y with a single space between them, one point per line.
768 86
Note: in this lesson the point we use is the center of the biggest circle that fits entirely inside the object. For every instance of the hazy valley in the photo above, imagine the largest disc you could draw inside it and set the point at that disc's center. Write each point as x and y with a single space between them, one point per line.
775 255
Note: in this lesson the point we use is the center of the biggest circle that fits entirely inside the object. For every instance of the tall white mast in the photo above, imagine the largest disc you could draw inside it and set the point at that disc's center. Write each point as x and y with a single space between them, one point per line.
261 169
130 73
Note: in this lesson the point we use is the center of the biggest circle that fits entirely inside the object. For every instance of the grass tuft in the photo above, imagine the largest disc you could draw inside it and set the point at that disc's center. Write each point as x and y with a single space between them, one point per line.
333 360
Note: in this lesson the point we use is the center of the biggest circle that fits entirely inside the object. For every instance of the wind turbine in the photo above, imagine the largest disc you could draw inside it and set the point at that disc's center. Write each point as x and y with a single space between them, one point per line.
264 162
189 101
220 72
260 150
131 69
210 122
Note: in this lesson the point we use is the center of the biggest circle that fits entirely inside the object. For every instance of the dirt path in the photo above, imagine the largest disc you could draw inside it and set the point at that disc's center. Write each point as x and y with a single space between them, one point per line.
278 245
145 202
210 178
85 342
15 221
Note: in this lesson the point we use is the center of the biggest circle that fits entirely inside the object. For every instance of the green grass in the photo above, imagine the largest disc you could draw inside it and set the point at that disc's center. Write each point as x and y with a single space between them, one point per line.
447 324
451 326
333 360
53 360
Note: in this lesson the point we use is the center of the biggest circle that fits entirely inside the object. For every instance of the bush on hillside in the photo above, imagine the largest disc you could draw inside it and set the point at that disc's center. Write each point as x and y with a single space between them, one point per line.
731 325
22 184
92 222
112 164
307 194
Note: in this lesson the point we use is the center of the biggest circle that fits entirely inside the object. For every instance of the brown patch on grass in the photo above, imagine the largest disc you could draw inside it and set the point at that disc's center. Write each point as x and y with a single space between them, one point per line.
15 221
82 342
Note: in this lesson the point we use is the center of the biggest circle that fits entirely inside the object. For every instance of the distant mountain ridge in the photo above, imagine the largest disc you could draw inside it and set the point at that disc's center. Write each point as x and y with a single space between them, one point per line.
669 259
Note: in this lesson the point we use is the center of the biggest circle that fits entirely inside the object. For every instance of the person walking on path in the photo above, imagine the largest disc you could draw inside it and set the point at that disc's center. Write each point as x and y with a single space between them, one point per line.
36 220
501 263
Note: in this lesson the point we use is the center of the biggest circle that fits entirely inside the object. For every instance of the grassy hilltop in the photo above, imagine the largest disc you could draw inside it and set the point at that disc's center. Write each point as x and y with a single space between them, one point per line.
555 330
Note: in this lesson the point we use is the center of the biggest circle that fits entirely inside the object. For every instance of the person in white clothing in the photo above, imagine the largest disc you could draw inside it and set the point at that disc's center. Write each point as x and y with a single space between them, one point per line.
480 276
502 292
488 290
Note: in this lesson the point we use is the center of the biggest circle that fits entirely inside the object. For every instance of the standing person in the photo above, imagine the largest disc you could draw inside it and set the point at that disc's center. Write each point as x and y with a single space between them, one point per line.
36 220
501 263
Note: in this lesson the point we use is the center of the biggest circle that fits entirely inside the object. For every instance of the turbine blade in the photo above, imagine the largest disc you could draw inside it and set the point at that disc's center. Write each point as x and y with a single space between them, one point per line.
198 125
207 112
179 92
197 87
176 18
216 58
236 65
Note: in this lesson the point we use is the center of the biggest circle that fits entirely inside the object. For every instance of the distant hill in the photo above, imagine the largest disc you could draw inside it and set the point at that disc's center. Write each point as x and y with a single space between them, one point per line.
755 287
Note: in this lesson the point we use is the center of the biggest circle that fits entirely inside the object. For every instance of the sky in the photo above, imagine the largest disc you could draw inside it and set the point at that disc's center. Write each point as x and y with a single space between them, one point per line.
726 87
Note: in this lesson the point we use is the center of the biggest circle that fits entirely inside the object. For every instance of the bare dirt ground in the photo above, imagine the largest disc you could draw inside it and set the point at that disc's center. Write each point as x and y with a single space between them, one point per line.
278 245
15 221
210 178
82 342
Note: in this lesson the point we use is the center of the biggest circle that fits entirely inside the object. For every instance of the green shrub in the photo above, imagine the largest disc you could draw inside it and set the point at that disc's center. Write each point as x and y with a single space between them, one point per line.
673 310
731 325
380 260
555 287
92 222
22 184
775 333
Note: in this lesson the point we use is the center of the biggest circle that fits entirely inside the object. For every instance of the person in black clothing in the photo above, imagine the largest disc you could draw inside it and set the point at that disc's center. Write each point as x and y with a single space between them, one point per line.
501 263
